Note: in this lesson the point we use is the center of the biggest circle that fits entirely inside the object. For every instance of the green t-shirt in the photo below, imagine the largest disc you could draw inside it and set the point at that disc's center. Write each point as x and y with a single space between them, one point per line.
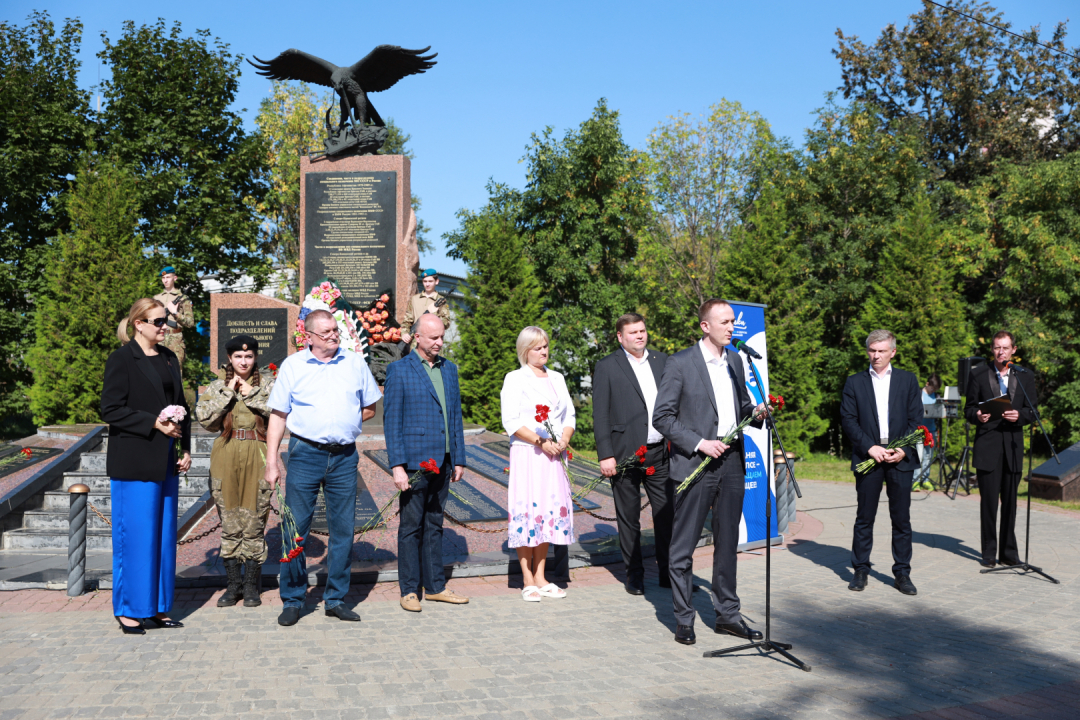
435 375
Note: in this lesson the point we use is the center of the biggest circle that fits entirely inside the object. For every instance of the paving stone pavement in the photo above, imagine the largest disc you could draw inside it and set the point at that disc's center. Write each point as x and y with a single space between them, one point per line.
968 646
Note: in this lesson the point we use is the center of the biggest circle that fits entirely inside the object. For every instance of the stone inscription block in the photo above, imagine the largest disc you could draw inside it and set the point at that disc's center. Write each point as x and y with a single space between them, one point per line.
582 472
477 507
486 463
270 326
350 232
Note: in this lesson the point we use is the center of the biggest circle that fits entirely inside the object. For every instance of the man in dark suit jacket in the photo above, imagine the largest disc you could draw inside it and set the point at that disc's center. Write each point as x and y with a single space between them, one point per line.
624 394
880 405
999 446
702 395
422 421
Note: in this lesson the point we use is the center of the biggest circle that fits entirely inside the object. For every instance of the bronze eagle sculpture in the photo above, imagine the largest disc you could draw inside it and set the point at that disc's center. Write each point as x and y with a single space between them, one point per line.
379 70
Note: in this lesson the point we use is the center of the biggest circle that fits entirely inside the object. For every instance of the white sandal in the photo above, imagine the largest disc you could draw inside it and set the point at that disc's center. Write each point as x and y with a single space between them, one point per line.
551 590
530 593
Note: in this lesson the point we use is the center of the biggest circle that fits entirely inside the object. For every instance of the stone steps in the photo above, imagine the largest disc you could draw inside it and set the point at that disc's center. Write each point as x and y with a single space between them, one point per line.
48 539
201 444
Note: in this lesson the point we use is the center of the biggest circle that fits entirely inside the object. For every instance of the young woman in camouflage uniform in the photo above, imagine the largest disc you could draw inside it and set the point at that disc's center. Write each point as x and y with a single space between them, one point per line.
236 407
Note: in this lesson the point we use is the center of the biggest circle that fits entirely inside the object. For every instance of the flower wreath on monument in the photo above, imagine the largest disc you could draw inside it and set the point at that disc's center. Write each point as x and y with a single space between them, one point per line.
327 296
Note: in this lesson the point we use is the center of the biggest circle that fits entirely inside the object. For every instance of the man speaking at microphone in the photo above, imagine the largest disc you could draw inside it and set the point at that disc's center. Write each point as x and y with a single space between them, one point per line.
999 446
702 395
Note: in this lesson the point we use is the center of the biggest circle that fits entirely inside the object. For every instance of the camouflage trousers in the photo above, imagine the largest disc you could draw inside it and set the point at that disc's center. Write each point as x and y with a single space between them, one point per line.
175 342
243 532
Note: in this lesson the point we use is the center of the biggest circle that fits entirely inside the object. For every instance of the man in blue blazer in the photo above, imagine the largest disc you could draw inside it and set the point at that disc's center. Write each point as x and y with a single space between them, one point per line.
880 405
422 421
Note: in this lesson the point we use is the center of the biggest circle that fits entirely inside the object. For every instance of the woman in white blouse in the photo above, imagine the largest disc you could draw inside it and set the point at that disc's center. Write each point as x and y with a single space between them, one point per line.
539 502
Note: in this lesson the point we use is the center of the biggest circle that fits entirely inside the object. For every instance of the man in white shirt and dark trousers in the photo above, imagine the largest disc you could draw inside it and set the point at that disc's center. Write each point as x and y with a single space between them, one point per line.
880 405
624 394
701 397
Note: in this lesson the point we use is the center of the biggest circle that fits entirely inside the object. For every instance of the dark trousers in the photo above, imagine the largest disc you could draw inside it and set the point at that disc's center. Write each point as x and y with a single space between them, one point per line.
992 484
898 488
420 546
626 488
307 470
720 489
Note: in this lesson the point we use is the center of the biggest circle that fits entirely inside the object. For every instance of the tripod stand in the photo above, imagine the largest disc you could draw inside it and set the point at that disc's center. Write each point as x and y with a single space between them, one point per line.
767 643
1025 566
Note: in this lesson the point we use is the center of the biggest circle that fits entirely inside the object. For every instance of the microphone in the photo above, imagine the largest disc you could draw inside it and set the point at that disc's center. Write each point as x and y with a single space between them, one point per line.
1013 366
740 345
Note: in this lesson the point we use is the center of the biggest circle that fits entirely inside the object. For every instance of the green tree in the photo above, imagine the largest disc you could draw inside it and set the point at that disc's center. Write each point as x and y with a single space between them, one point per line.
502 297
93 274
917 296
973 93
702 175
767 264
43 127
168 117
580 215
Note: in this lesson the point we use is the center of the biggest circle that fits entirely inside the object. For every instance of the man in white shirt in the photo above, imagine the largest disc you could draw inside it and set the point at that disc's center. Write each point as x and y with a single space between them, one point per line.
701 396
879 405
624 395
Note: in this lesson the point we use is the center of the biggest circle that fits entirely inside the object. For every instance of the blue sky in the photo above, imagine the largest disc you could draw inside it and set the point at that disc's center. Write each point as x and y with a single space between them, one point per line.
508 69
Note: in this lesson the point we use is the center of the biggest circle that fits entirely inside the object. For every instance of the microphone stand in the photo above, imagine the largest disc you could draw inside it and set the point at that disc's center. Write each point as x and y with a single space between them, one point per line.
767 644
1025 566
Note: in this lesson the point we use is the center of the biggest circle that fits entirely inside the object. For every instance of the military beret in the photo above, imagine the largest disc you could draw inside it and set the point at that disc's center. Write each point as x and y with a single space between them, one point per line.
427 273
168 269
241 342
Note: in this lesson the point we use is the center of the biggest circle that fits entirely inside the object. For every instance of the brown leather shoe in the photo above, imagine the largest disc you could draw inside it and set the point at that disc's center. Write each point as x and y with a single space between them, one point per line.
411 603
447 596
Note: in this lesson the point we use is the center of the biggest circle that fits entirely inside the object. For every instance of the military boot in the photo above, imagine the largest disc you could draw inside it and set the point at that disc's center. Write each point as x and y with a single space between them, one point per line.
252 583
232 592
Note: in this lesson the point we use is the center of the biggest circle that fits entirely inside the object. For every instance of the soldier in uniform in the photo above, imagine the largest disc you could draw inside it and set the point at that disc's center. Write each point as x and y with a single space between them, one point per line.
427 301
236 406
178 313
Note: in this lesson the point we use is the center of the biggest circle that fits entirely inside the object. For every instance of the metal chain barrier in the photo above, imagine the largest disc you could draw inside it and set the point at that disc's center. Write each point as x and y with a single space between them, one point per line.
355 535
201 535
98 512
454 520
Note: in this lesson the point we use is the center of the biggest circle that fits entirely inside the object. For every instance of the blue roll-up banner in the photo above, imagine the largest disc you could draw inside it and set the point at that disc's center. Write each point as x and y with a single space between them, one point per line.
750 328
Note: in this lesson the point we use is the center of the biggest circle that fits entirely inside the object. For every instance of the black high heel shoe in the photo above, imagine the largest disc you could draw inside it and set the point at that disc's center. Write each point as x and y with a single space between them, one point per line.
159 623
128 630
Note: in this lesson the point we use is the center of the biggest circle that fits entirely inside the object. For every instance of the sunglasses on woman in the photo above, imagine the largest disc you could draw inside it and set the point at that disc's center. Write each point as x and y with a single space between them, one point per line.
156 322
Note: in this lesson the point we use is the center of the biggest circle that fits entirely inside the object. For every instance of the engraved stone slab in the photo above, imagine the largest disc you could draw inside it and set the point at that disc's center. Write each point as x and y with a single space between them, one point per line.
486 463
479 508
270 326
364 510
12 460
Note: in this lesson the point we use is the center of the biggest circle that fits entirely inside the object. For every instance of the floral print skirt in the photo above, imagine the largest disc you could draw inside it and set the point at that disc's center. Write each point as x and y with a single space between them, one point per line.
538 499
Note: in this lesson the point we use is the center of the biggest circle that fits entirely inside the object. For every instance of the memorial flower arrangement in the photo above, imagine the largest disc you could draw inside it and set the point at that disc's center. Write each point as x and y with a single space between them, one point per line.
325 296
292 542
427 466
27 453
634 461
775 403
273 369
375 321
24 454
921 435
172 413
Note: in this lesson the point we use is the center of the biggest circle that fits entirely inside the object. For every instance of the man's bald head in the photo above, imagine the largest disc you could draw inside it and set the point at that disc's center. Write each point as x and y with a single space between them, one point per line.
429 336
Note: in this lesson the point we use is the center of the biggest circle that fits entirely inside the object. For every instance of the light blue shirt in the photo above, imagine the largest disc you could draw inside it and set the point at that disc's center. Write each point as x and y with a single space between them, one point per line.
324 399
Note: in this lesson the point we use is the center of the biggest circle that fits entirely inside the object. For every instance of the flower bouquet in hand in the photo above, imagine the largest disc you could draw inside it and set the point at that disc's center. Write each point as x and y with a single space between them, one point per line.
172 413
542 415
292 542
427 466
775 402
921 435
631 462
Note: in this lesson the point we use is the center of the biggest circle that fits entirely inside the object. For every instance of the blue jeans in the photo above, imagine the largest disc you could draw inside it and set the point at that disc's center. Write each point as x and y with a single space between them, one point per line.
420 532
308 468
923 473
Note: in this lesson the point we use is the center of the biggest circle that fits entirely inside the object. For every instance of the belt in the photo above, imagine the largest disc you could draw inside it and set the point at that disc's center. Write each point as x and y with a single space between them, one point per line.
248 435
332 448
660 443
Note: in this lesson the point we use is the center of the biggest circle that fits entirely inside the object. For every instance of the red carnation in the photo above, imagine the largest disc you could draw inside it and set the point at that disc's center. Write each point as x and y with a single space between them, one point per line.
651 470
299 539
273 369
27 452
640 452
542 413
506 469
570 455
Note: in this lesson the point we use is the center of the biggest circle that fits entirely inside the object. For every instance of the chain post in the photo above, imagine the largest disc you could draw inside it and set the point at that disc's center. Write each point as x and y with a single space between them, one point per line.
78 496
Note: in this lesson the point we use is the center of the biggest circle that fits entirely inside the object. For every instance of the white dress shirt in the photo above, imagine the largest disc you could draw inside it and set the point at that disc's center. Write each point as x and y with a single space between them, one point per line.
881 397
723 391
643 373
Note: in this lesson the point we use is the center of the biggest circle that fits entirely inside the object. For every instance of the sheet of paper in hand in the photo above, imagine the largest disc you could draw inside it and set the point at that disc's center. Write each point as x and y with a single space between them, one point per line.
996 406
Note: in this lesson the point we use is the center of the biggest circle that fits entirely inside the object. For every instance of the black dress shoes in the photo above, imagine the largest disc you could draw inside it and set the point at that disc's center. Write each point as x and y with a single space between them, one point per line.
635 587
1009 563
739 629
128 630
665 580
987 563
903 584
160 623
858 583
685 634
342 613
289 616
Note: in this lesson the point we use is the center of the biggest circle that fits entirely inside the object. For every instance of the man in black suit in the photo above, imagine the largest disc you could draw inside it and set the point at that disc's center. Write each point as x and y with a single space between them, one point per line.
999 446
702 396
880 405
624 394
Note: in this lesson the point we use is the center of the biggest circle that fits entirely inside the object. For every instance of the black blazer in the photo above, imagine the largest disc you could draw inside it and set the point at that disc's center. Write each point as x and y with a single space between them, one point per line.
996 436
620 416
685 409
858 415
131 399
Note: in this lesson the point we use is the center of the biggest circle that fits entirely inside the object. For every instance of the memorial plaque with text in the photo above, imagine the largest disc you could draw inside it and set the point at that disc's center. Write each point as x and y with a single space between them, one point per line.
350 232
270 326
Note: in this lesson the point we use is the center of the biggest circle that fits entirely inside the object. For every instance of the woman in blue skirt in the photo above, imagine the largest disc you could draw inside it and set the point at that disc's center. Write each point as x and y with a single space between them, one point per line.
142 379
